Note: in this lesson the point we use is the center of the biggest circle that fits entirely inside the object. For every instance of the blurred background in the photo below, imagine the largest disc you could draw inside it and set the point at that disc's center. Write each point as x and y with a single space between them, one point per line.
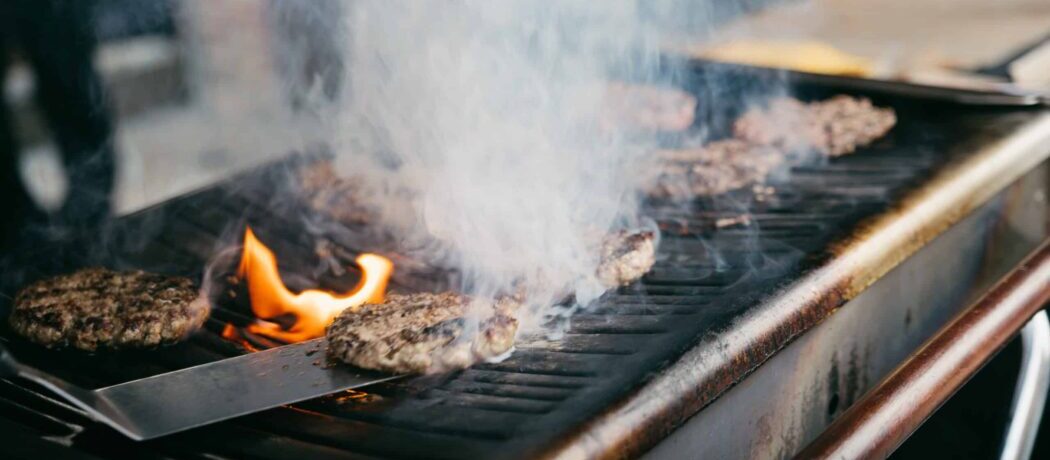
199 89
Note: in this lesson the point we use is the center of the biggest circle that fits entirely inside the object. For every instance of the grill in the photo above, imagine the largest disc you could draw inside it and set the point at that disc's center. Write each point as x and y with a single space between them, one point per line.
552 396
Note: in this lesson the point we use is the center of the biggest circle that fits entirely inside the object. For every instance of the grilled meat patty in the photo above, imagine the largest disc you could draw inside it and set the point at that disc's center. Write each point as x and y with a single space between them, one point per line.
328 193
416 333
648 107
713 169
763 140
625 257
100 308
833 127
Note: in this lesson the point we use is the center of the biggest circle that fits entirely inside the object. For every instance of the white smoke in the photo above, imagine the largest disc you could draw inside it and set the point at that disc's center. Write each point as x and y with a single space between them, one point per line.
493 116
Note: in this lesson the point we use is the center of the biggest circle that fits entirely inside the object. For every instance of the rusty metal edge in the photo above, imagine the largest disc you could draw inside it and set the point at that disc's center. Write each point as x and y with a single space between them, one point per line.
649 413
877 424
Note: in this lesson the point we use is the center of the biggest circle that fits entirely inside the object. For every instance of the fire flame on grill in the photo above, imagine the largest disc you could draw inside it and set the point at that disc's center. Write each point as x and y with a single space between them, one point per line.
233 334
313 309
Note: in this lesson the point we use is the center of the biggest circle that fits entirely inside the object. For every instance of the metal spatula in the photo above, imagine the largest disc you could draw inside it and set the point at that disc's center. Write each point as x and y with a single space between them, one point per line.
199 395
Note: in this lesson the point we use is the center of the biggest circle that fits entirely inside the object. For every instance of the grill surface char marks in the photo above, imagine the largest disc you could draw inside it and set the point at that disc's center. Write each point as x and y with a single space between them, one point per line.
576 377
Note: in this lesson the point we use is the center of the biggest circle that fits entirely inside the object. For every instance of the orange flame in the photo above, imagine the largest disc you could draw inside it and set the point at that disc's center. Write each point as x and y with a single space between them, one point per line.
231 333
313 309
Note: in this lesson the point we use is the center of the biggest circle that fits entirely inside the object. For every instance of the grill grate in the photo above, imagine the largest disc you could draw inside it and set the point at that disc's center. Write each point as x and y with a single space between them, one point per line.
706 276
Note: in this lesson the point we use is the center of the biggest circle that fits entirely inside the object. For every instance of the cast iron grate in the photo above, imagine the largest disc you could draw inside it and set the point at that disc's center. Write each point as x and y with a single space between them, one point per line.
705 277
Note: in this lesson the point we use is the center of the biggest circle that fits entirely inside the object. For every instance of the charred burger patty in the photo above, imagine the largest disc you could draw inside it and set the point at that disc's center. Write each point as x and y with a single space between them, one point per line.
833 127
626 257
415 333
713 169
100 308
339 197
763 140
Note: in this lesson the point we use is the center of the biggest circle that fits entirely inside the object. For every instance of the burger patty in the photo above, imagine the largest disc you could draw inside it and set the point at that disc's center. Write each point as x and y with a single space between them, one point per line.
326 192
648 107
762 141
625 257
713 169
833 127
417 333
100 308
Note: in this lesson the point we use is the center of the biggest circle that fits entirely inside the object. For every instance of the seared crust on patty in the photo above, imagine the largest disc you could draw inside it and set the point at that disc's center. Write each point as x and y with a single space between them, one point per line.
100 308
834 127
764 139
417 333
626 256
648 107
713 169
338 197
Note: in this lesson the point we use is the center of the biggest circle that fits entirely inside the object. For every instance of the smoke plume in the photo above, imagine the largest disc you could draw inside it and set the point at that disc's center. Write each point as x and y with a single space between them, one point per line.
483 130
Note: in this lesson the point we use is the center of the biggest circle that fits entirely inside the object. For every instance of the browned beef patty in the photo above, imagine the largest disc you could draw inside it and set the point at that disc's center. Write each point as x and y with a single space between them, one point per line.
331 194
713 169
762 140
625 257
100 308
834 127
648 107
417 333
